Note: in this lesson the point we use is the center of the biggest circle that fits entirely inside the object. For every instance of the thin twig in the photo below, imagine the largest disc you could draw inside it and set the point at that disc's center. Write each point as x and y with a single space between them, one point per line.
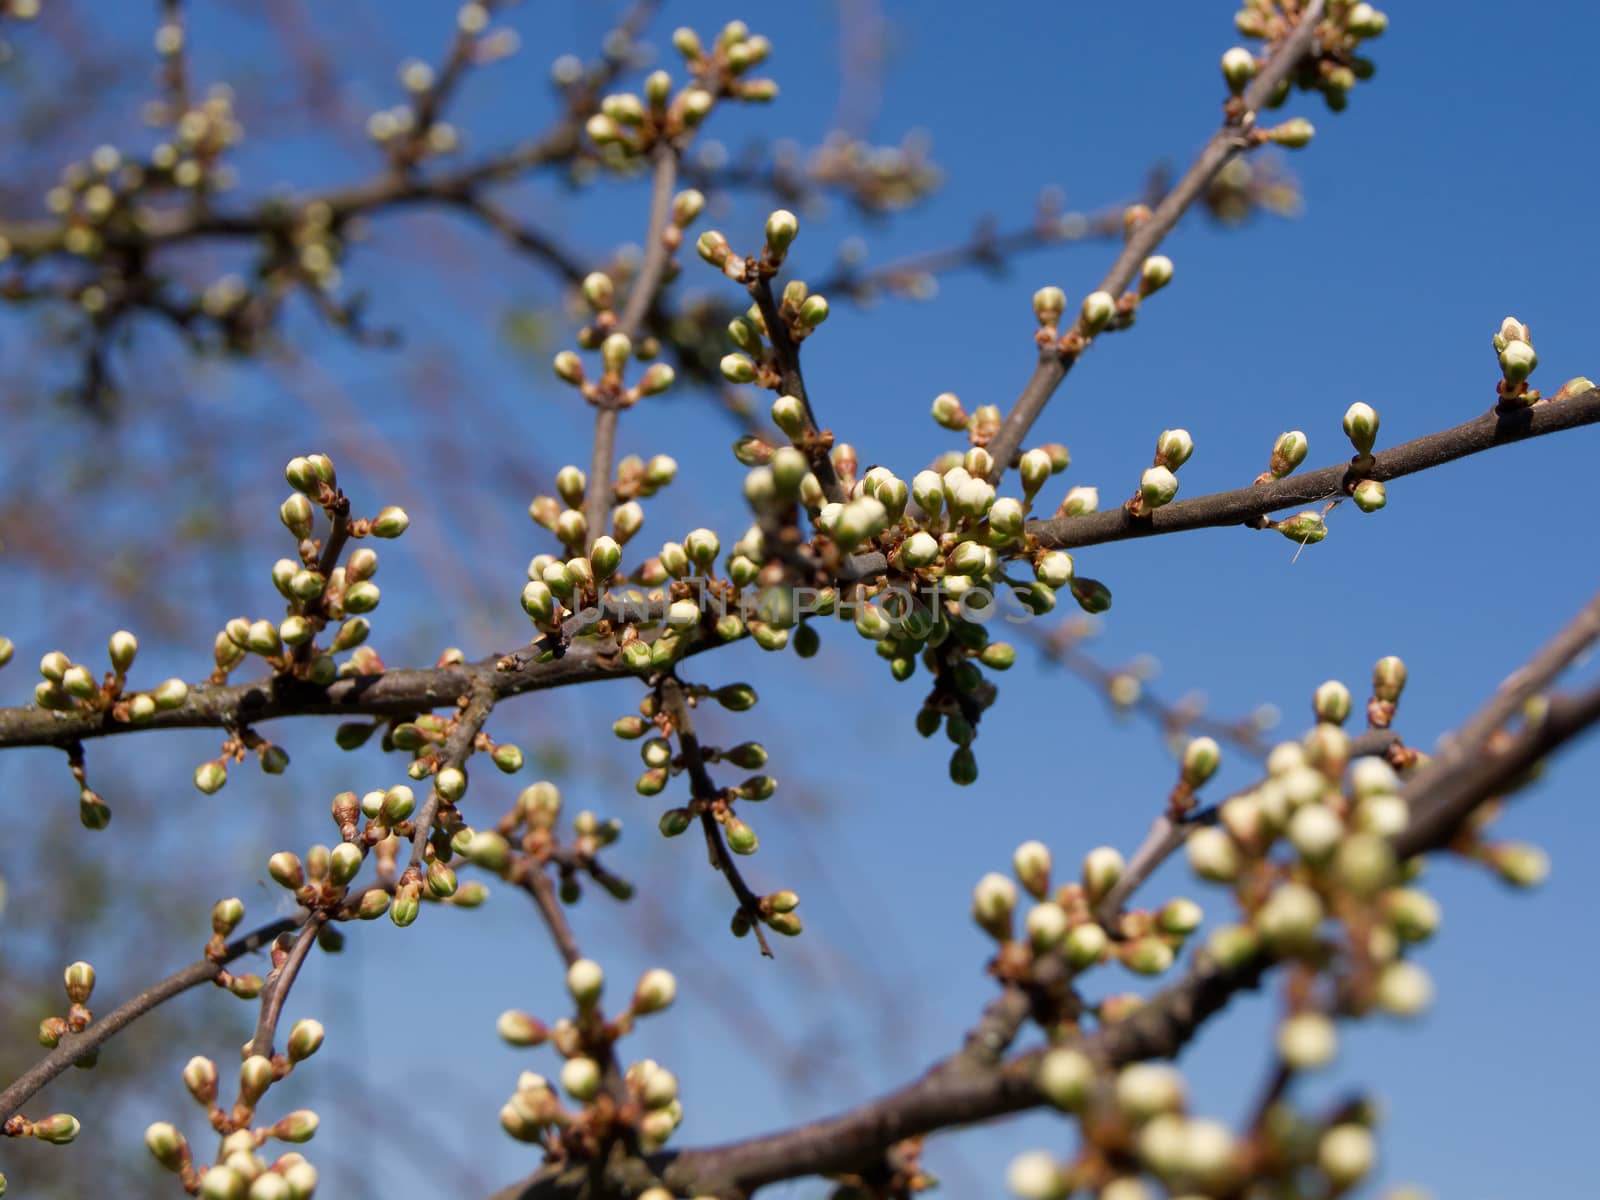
597 501
75 1045
787 354
279 981
705 789
1224 146
454 753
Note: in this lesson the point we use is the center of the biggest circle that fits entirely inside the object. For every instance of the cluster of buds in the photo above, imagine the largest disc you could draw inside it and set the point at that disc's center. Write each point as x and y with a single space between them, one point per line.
1332 70
529 828
240 1171
628 125
878 179
317 589
1136 1121
225 917
78 979
1361 427
800 309
1159 483
1100 310
644 1100
1062 935
603 333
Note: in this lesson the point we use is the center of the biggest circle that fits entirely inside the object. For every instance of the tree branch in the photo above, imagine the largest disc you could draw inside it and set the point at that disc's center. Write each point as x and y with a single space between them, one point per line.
1224 145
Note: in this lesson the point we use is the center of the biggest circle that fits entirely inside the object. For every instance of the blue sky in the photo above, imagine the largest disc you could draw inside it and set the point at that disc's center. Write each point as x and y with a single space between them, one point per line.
1448 195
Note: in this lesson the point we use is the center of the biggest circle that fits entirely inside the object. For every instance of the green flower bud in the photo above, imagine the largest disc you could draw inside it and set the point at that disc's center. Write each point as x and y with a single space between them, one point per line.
1520 864
1147 956
713 247
1079 501
1307 1041
581 1078
741 838
1047 925
1179 916
299 1126
1388 679
614 352
735 697
1238 68
947 411
305 1039
7 649
286 870
1157 486
1289 920
1370 495
1048 305
1092 595
1145 1090
1361 427
994 899
918 550
652 783
390 522
1306 528
1288 452
361 597
701 545
344 863
1213 855
1332 702
1037 1176
655 991
517 1028
814 311
123 646
1085 945
77 682
675 821
53 666
597 286
998 656
1201 757
736 368
489 850
782 228
1065 1078
584 981
689 203
1364 21
604 556
1098 309
395 804
1346 1154
1005 518
210 776
167 1145
1404 989
1035 469
1173 448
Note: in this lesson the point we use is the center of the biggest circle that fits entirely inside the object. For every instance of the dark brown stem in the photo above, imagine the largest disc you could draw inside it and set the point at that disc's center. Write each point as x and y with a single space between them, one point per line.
704 788
537 884
1248 505
1224 145
787 353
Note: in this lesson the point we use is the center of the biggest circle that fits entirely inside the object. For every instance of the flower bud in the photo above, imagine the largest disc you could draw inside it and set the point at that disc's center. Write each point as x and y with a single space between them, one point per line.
1047 925
519 1029
1079 501
1048 305
993 901
655 991
614 352
1065 1078
286 870
1085 945
1157 486
1201 757
1288 921
77 682
1404 989
947 411
1346 1154
1332 702
122 647
584 981
1520 864
210 776
736 368
167 1145
581 1078
814 311
1307 528
782 228
1213 855
1098 309
299 1126
1370 495
597 287
1145 1090
1154 274
1361 427
1293 134
1307 1041
1037 1176
79 981
390 522
1288 452
1173 448
1031 862
1238 68
1102 868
